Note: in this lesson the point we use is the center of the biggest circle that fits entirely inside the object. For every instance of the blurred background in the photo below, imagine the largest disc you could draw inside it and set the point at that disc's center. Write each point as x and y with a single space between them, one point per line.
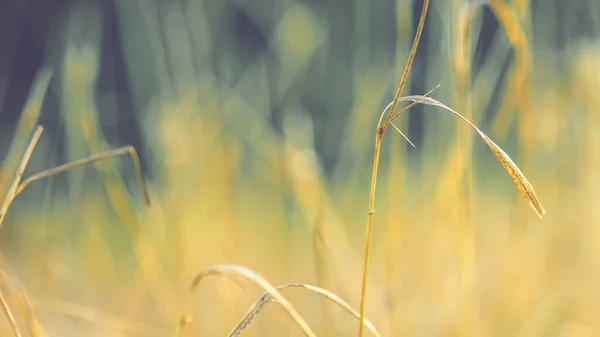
255 124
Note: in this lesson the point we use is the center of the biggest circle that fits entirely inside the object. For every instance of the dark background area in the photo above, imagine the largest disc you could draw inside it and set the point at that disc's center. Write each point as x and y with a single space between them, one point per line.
29 35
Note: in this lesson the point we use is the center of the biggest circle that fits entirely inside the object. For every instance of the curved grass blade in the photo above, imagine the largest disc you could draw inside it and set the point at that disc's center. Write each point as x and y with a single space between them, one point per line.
252 276
515 173
130 150
257 306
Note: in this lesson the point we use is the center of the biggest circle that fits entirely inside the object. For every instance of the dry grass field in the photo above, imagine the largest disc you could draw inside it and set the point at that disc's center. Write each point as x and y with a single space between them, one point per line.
259 170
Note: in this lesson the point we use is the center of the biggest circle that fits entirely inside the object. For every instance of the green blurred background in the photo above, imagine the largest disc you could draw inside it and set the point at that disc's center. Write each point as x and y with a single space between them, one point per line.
255 124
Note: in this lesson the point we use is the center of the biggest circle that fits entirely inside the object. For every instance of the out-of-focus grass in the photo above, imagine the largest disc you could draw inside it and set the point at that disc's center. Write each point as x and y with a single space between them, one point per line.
456 249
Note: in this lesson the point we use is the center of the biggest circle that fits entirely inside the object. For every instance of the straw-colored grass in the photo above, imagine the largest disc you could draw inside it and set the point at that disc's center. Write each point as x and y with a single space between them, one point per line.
258 162
252 276
257 306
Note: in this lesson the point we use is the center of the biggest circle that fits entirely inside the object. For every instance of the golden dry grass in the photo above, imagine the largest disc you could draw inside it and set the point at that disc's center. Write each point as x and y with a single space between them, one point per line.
453 250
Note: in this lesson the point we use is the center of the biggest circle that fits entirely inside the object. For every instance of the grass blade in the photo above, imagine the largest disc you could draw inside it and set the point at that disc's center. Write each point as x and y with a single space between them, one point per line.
252 276
266 297
13 295
12 191
515 173
10 316
91 159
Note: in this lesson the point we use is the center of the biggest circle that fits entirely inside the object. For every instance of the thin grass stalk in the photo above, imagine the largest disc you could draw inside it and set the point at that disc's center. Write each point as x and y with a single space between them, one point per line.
92 159
12 191
27 123
252 312
378 138
250 275
17 187
10 316
257 306
13 290
411 58
369 229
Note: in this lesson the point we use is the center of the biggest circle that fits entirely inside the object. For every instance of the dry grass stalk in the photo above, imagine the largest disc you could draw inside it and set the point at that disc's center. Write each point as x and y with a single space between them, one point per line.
92 159
250 275
27 123
402 111
522 183
10 316
17 187
378 138
12 190
257 306
515 173
18 299
252 312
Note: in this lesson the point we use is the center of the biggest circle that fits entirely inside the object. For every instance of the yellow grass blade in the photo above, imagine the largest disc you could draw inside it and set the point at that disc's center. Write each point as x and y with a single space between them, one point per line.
10 316
399 113
266 297
15 300
515 173
12 191
17 187
252 276
91 159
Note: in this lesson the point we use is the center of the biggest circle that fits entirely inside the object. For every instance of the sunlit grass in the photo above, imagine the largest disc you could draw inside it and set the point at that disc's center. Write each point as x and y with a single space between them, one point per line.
454 248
